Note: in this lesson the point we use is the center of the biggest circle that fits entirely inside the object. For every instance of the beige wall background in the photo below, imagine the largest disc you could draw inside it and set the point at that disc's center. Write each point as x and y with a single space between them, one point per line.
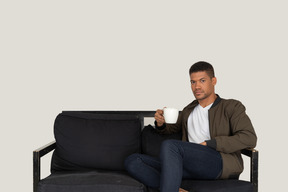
126 55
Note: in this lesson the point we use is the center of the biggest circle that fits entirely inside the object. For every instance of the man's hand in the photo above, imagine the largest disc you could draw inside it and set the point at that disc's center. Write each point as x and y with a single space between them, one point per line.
182 190
159 117
203 143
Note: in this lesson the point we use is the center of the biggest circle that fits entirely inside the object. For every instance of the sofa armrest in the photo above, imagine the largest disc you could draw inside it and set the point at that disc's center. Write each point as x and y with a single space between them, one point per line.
37 154
254 155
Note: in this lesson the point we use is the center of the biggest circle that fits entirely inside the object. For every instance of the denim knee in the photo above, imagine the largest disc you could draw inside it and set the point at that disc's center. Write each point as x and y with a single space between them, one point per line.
131 162
145 169
170 145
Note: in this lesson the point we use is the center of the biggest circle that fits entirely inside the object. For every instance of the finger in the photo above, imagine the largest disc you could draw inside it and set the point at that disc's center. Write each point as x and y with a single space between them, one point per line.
159 116
160 111
182 190
161 121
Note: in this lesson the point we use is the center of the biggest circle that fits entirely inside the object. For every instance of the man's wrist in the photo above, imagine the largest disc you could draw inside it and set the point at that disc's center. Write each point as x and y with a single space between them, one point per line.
211 143
158 126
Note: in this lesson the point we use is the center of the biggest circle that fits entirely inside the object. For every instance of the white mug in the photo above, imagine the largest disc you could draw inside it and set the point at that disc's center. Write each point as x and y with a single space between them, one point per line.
170 115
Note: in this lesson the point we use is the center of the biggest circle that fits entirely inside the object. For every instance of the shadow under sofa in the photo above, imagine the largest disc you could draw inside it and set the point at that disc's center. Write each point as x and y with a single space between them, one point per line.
91 147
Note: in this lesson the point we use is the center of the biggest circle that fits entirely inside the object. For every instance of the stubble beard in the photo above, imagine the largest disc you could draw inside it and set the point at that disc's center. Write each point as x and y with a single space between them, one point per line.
201 97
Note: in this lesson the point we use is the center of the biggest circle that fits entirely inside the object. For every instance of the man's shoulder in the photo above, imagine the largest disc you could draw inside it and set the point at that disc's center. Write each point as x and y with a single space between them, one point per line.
230 100
230 104
191 105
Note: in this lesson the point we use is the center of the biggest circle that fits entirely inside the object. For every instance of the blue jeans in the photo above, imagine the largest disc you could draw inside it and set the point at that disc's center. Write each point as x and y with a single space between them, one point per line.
177 160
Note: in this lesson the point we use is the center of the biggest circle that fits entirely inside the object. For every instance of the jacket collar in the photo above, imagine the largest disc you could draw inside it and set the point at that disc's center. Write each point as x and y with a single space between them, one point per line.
217 100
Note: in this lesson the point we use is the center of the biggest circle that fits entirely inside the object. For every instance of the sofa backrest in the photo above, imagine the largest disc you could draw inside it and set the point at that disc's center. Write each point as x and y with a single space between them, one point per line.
86 141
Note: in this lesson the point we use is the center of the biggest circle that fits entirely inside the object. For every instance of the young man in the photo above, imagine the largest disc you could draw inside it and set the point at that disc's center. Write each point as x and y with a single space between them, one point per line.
214 131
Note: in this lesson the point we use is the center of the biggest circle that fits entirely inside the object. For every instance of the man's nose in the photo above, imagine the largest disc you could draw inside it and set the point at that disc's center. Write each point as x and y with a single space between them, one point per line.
197 85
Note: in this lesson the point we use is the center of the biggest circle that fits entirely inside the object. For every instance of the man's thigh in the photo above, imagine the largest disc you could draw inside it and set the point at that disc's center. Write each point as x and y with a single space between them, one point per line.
200 162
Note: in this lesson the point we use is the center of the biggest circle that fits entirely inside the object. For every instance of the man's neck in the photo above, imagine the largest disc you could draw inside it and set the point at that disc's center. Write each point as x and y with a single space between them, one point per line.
207 101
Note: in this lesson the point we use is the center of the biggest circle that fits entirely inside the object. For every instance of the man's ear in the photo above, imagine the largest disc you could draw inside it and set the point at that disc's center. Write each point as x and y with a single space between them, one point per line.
214 80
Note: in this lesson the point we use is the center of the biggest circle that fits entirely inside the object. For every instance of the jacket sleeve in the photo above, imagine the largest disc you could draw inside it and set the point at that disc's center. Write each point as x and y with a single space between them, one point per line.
242 132
170 128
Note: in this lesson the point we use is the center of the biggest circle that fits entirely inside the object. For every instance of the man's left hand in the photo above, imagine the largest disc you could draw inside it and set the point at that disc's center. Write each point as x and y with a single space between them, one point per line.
203 143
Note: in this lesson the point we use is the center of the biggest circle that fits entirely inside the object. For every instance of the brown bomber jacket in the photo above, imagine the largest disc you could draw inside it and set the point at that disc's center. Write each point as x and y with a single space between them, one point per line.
230 130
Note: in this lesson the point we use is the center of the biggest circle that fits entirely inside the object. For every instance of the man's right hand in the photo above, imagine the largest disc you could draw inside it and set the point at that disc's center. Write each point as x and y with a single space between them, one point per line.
159 117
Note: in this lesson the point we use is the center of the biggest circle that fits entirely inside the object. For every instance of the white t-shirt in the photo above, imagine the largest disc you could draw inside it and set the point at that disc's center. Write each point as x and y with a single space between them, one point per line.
198 124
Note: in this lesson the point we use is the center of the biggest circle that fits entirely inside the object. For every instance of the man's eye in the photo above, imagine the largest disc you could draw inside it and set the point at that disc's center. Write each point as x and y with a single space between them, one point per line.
202 81
192 82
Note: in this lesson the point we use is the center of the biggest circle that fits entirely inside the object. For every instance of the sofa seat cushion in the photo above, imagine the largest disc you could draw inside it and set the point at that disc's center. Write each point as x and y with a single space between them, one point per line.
90 182
217 185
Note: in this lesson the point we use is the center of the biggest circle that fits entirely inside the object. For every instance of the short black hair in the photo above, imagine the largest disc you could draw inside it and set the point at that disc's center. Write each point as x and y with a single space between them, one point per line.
202 66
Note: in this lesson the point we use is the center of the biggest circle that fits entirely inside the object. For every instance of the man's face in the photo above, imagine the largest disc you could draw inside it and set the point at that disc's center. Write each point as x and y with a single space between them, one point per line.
202 85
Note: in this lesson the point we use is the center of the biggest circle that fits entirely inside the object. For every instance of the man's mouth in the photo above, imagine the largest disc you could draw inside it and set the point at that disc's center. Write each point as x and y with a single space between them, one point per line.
197 92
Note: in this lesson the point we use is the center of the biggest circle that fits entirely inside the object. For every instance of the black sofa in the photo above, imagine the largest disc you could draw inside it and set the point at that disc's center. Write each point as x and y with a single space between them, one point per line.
91 147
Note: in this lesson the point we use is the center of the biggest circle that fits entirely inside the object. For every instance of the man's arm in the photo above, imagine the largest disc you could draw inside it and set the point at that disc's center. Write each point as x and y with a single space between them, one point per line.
164 128
243 134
